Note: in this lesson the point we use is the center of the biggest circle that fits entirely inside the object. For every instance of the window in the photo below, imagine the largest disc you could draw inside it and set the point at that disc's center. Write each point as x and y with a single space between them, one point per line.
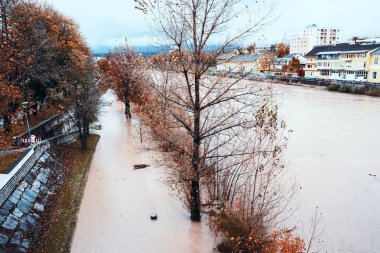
362 74
374 75
376 61
325 72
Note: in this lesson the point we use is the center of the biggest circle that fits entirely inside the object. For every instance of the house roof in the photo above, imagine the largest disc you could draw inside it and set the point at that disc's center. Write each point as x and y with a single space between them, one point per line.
290 56
342 48
224 56
245 58
377 52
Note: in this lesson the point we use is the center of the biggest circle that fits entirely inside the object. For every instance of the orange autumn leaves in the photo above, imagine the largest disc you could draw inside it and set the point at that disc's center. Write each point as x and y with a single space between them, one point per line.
38 46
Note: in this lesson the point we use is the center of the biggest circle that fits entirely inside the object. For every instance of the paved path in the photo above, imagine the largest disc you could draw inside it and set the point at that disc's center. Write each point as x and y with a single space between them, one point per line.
114 214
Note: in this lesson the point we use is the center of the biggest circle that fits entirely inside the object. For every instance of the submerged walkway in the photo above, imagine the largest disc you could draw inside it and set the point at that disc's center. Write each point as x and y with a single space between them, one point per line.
114 214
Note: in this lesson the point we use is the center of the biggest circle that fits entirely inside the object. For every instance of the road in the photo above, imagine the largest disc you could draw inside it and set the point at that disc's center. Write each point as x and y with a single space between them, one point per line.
115 212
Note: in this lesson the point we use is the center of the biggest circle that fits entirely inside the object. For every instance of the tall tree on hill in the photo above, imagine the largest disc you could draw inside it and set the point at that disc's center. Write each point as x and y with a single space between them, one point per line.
9 92
40 51
267 60
251 48
294 65
199 105
282 50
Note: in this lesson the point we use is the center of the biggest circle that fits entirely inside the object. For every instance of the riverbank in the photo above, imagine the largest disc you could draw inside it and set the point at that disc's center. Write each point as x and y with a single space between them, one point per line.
356 89
351 87
61 216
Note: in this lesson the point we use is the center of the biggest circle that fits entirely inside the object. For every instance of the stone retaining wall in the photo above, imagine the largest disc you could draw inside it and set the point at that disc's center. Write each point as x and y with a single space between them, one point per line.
20 213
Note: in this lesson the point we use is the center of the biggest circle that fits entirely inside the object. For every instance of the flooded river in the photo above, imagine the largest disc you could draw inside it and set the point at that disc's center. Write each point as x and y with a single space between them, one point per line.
334 152
334 148
115 212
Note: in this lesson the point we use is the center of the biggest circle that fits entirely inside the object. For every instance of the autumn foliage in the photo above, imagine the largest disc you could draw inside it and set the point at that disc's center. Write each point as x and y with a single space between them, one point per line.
121 71
243 236
38 48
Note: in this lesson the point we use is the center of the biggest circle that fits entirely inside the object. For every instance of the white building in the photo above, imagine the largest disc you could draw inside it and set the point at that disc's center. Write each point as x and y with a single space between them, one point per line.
238 63
221 61
285 60
313 36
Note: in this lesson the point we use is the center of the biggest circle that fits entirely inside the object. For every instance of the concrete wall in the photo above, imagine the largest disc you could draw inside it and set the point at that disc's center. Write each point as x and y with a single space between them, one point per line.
20 213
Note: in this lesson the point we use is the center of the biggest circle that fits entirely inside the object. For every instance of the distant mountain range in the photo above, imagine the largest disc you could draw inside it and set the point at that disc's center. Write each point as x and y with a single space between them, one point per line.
145 51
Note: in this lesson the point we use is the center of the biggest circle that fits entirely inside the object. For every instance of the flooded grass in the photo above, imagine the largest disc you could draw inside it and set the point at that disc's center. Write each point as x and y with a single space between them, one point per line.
61 219
359 90
8 160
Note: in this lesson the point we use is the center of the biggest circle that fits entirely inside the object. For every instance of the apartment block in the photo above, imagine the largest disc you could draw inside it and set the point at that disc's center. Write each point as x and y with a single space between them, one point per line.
374 67
345 61
313 36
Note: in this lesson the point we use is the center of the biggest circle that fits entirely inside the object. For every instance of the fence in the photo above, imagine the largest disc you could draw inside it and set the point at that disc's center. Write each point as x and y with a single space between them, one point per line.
23 169
29 161
46 129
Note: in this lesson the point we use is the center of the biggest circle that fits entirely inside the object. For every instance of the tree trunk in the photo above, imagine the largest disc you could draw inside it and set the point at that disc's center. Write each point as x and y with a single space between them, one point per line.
86 127
195 189
127 109
126 102
82 136
34 108
83 141
7 123
195 201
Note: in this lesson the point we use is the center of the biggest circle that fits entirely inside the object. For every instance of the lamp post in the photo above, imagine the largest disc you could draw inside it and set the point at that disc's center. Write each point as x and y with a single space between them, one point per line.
25 105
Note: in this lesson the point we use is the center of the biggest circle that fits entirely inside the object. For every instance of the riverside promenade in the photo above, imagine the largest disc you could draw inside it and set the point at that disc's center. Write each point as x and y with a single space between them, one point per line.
115 212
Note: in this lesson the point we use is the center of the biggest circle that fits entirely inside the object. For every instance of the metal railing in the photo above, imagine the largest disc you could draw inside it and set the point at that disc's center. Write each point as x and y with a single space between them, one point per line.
26 165
24 169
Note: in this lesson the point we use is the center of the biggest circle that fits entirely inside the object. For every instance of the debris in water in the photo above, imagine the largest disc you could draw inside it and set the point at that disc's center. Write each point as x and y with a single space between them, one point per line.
140 166
371 175
153 216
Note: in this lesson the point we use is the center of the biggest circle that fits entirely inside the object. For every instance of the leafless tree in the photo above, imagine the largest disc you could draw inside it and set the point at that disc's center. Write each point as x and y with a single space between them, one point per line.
82 95
201 106
122 69
315 233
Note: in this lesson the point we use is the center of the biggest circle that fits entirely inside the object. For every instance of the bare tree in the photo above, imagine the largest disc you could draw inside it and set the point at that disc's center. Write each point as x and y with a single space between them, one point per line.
82 94
122 69
200 106
315 233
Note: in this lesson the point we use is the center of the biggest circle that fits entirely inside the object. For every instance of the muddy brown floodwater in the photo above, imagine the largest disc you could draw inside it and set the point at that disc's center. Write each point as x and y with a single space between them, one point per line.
114 216
334 152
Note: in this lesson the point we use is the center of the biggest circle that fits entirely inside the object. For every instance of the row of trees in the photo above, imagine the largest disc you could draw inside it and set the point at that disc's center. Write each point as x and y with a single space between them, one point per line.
43 57
222 138
268 59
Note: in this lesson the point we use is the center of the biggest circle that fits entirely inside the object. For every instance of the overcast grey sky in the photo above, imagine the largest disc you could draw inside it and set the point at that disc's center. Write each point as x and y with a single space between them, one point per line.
103 22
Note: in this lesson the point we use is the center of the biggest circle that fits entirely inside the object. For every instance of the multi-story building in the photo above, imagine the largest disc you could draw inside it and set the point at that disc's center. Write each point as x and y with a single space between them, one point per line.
313 36
374 67
342 62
